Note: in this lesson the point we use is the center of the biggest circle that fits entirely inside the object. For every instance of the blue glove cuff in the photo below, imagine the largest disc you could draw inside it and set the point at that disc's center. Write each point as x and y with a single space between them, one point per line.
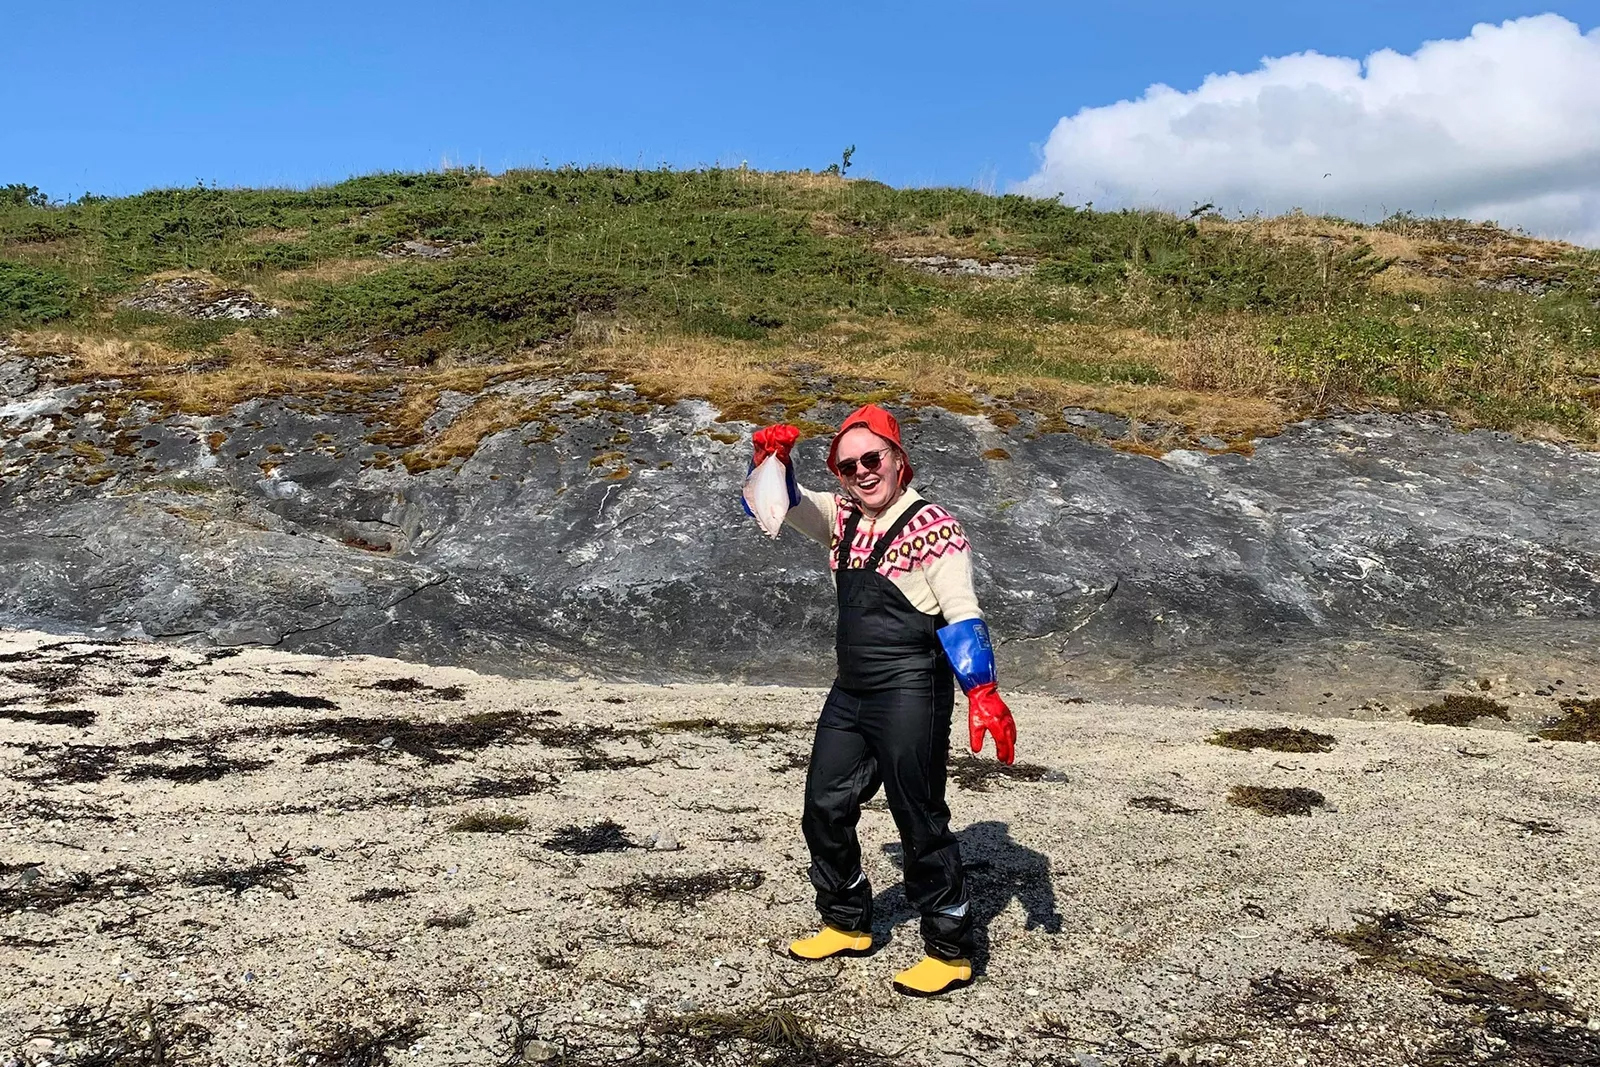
971 652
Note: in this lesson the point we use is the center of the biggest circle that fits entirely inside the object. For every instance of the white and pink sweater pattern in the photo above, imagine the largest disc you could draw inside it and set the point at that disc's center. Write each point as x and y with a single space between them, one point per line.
930 561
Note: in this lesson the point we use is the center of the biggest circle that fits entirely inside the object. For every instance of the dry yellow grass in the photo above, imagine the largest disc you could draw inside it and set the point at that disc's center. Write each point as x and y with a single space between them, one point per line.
680 367
1200 413
329 270
244 368
771 382
1313 229
1427 257
204 393
271 235
483 419
803 180
1217 380
828 224
94 356
1223 358
1402 279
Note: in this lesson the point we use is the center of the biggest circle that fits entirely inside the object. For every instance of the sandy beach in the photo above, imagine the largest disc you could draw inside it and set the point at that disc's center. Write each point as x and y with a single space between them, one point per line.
255 857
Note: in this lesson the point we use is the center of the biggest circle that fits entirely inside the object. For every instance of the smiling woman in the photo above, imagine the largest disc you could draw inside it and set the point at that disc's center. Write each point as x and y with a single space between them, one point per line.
908 618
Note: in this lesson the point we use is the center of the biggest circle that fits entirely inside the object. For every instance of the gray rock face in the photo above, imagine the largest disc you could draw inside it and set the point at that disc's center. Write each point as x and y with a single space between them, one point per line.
17 377
418 250
197 298
1005 267
1361 554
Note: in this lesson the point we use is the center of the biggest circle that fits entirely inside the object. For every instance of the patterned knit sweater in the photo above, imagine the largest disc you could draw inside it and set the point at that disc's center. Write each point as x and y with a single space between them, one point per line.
930 562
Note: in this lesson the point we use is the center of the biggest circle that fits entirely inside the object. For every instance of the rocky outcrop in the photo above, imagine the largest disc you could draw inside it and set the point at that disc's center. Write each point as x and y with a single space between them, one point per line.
199 298
419 249
1350 556
1007 268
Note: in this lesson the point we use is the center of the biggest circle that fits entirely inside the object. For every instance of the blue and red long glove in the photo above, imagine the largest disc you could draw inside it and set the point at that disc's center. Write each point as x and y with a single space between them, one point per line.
972 658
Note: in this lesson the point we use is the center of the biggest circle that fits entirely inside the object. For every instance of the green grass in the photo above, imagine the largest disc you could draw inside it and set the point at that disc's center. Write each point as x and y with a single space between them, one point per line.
474 303
769 264
200 334
31 296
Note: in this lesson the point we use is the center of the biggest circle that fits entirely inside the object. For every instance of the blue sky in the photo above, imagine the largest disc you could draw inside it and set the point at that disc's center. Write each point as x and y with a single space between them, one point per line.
119 97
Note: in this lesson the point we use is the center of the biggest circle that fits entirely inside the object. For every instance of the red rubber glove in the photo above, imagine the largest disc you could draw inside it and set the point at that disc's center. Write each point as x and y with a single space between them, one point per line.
774 441
987 713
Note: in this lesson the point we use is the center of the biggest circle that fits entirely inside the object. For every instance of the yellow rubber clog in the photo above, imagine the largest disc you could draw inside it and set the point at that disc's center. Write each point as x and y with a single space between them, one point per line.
933 976
831 942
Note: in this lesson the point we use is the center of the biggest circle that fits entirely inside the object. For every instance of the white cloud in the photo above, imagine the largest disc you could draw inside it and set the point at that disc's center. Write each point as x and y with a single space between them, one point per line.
1503 124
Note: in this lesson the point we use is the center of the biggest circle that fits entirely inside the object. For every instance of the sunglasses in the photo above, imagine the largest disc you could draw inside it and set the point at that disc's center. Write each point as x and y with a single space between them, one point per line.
870 461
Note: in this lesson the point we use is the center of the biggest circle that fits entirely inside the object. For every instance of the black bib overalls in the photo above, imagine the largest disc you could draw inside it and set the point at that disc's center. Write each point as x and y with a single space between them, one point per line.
886 722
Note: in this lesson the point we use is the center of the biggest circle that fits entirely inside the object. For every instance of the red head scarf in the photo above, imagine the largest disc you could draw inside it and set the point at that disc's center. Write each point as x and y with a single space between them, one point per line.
879 422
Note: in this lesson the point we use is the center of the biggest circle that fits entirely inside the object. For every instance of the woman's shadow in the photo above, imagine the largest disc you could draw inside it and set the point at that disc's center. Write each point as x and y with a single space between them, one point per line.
999 870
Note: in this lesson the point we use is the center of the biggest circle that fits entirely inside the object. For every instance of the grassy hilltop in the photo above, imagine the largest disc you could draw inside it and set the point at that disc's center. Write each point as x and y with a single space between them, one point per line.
766 292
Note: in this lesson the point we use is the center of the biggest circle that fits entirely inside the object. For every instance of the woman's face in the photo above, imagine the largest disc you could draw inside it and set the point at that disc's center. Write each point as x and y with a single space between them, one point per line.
872 489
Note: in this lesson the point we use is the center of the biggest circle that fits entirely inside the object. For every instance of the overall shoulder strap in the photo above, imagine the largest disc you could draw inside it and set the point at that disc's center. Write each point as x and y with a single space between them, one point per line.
893 531
846 539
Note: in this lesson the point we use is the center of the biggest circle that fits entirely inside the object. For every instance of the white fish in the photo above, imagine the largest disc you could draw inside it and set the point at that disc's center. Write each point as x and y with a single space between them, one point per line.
766 492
